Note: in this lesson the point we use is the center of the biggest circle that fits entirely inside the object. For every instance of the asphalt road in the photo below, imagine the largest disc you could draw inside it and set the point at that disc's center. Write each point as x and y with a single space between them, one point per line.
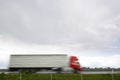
100 72
83 72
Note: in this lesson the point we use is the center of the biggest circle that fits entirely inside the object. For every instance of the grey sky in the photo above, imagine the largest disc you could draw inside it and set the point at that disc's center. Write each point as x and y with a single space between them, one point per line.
54 22
68 24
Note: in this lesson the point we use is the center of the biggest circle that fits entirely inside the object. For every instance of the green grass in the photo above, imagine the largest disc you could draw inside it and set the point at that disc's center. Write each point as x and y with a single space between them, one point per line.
59 76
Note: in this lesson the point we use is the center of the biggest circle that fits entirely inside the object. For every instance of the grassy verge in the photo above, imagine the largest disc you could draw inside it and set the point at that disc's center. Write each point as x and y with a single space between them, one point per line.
59 77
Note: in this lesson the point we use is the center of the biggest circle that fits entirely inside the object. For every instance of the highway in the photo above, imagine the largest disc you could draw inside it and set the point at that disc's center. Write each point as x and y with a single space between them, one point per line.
83 72
100 72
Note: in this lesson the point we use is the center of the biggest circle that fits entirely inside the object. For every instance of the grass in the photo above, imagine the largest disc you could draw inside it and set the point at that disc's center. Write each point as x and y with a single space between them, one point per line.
59 76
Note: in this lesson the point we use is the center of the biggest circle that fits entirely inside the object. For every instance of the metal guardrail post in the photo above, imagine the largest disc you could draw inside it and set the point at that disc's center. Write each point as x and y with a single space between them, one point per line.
81 76
20 76
112 74
51 77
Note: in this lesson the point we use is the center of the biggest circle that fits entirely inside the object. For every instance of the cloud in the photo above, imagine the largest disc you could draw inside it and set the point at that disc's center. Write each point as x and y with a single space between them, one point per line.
10 45
85 23
91 24
87 58
100 61
60 26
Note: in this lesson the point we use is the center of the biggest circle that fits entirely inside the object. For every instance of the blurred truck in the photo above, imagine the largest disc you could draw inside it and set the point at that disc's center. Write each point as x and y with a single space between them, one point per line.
44 62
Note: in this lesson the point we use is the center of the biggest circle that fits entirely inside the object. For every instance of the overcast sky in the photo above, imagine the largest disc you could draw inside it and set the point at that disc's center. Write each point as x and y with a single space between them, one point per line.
89 29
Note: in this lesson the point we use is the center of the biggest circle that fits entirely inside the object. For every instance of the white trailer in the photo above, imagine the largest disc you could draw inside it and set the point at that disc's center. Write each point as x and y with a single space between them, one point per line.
37 62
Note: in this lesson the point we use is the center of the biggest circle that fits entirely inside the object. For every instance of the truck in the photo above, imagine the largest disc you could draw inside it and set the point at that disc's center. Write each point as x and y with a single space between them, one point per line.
44 62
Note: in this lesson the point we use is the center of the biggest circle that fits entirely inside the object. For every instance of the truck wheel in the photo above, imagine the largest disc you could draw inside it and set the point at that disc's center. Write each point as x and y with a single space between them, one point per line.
59 70
75 71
